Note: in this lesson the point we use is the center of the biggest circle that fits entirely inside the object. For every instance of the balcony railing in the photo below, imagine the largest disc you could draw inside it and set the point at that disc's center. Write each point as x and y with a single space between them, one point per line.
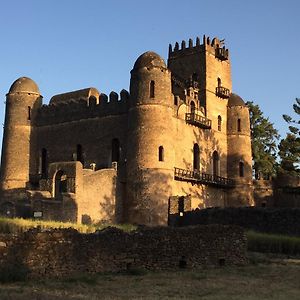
203 178
221 53
197 120
222 92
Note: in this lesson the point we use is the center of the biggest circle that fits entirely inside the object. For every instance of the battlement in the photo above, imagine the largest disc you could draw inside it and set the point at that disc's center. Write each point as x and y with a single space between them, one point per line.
82 104
215 45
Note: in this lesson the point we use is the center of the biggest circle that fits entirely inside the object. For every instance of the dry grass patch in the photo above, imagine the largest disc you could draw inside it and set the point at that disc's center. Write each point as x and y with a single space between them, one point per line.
261 281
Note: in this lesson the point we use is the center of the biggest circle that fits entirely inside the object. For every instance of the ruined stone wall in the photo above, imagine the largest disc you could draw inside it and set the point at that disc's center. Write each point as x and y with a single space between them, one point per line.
66 252
99 196
270 220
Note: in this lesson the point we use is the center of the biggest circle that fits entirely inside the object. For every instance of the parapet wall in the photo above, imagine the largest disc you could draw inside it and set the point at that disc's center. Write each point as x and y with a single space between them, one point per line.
67 252
63 109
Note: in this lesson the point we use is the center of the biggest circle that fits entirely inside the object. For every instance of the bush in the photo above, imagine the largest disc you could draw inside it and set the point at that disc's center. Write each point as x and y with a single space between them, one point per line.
272 243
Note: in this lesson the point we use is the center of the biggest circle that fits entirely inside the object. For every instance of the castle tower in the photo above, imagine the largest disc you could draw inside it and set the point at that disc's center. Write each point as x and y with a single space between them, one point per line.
22 102
239 152
208 64
150 155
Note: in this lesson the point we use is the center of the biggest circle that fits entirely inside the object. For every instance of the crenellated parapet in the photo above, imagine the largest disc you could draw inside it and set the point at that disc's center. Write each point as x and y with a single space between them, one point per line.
214 45
82 104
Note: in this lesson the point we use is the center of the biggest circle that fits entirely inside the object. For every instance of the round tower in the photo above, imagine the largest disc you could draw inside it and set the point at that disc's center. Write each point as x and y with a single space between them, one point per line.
22 101
239 152
150 155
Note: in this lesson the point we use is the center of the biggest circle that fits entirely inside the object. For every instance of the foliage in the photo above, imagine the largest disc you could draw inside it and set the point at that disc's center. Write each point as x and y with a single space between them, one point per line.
17 225
264 147
273 243
289 147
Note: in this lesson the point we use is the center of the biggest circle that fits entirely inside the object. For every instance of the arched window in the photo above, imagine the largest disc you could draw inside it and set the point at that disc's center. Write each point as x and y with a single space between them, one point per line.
79 154
193 107
60 184
28 113
160 153
115 150
219 82
152 89
219 123
216 163
195 77
44 163
241 169
196 157
239 125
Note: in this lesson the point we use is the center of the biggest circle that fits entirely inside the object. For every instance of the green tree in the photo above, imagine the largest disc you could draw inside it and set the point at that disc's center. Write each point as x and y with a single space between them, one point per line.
289 147
264 147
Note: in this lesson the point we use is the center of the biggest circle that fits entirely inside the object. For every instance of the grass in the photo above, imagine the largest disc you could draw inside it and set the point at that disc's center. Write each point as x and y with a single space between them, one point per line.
18 225
273 243
255 281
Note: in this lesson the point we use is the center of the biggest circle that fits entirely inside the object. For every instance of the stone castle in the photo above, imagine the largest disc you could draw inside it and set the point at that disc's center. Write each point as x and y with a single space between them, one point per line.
178 140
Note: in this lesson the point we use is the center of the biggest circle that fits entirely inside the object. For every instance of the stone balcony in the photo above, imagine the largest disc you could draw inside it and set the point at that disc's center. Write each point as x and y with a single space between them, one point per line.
197 120
222 92
203 178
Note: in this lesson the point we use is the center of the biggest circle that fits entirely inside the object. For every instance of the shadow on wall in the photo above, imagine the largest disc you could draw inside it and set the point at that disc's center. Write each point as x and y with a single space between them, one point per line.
148 197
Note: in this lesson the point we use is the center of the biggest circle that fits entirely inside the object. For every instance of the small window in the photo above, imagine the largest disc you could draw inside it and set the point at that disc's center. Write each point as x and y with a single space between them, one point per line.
152 89
115 150
219 82
216 164
239 125
193 107
161 153
28 113
79 153
196 157
219 123
241 169
175 100
44 163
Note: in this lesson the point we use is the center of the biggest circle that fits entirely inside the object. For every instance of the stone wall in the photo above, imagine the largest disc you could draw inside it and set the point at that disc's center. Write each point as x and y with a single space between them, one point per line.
67 252
269 220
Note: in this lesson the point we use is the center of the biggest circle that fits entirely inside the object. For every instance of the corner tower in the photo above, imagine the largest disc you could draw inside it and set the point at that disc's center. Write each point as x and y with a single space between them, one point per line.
239 160
150 155
22 102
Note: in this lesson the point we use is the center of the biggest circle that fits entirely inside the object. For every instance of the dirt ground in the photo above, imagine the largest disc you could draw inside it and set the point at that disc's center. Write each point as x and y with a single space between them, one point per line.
261 279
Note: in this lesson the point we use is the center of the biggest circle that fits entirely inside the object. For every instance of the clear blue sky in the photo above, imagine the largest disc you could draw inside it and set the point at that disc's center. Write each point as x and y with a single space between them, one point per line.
66 45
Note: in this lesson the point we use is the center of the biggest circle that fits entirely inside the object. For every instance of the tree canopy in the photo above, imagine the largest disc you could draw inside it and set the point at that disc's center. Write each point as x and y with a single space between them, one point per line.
289 147
264 147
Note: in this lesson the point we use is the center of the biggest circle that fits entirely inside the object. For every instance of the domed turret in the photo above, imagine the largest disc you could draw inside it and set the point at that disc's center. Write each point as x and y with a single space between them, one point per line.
239 151
235 100
24 85
22 103
149 59
150 131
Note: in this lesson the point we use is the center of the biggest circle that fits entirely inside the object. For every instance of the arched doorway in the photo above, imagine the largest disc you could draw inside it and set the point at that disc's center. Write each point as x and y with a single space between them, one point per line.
60 184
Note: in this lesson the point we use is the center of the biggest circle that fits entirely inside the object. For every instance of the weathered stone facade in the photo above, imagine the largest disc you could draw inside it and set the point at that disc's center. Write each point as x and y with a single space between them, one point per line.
67 252
179 133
